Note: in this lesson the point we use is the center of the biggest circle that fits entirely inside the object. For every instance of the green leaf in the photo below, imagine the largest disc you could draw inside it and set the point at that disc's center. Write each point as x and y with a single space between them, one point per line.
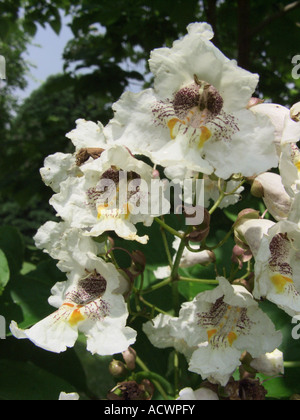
12 244
25 381
31 292
4 271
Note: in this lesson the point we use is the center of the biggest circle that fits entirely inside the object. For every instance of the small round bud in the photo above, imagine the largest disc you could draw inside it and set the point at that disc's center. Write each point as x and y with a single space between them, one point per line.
117 369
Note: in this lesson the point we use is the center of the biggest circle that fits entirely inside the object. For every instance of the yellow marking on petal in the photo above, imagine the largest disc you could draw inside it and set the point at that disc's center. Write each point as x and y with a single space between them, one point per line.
280 282
204 137
171 125
297 164
231 337
100 210
126 210
211 333
76 317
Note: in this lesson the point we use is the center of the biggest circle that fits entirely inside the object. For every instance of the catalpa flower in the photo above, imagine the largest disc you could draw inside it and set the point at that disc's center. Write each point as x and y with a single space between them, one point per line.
162 335
89 141
277 267
66 244
89 302
223 323
111 195
197 114
215 329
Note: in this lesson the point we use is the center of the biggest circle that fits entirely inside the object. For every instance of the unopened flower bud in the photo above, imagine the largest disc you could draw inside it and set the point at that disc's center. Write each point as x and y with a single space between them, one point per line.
117 369
240 256
129 357
249 233
189 258
269 186
270 364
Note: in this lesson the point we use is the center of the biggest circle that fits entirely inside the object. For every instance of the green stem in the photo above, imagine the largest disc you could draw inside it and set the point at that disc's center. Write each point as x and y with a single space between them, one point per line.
153 307
291 364
175 276
217 203
222 242
168 228
176 372
166 245
156 286
158 386
201 281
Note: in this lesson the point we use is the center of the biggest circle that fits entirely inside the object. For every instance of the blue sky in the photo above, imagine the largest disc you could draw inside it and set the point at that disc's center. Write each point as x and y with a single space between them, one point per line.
45 54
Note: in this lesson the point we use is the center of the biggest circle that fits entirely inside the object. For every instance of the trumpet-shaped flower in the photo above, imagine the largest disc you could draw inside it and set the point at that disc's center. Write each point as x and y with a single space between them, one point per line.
89 141
224 323
277 267
88 302
111 195
215 329
66 244
197 114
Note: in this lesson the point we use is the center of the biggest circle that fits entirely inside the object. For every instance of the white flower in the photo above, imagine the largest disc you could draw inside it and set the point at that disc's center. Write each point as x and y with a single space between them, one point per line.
160 333
201 394
197 114
87 134
269 186
223 323
269 364
57 168
2 67
88 302
188 259
215 329
278 115
277 267
66 244
73 396
101 200
89 141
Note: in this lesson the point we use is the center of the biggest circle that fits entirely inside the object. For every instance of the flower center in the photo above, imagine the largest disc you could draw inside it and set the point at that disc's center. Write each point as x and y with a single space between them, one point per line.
196 112
224 323
88 290
200 96
109 198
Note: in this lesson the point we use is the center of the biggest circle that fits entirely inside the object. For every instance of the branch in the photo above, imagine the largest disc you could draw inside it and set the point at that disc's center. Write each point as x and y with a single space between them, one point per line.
286 9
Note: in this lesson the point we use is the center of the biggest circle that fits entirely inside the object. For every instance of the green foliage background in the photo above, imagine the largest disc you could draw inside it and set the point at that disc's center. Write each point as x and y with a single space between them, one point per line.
108 54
